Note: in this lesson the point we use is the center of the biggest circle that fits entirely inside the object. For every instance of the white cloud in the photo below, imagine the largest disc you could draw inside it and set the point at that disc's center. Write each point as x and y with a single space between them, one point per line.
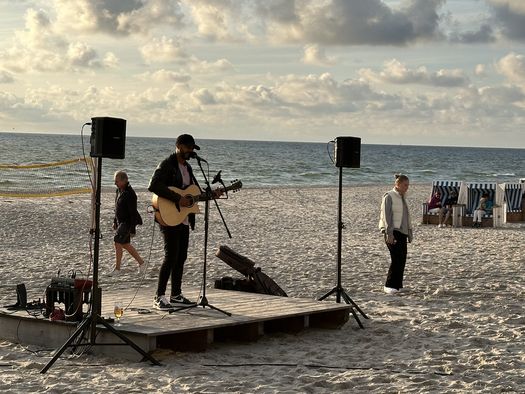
164 49
198 66
163 75
116 17
315 55
40 48
513 67
6 77
396 72
480 70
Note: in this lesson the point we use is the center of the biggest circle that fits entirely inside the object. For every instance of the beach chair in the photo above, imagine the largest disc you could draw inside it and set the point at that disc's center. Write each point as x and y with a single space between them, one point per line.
474 191
514 200
445 188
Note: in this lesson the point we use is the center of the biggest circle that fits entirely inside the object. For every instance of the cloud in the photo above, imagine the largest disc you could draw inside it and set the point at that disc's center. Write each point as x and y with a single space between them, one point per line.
512 66
356 22
40 48
198 66
480 70
164 49
6 77
485 34
315 55
395 72
163 75
117 17
509 15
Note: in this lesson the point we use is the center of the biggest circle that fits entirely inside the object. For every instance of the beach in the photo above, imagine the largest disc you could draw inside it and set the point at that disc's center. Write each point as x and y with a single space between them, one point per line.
459 327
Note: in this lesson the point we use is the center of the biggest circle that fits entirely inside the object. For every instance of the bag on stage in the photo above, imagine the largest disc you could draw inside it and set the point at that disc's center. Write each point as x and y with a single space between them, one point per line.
255 281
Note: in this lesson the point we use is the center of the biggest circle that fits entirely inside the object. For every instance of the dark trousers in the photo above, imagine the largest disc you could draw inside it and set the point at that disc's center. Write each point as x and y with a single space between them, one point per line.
176 239
398 255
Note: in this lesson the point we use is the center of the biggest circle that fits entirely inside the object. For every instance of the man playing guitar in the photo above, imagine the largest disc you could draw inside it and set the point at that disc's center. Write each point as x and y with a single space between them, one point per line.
175 172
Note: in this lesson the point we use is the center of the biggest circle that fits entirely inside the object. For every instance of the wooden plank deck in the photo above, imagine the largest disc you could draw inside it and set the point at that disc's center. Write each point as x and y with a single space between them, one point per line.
190 329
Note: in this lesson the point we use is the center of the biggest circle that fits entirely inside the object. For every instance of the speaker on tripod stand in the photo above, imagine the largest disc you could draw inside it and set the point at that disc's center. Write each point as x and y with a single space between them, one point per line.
108 137
347 154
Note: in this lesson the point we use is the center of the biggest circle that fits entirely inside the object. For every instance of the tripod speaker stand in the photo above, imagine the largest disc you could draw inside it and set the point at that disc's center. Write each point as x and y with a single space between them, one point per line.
90 322
347 155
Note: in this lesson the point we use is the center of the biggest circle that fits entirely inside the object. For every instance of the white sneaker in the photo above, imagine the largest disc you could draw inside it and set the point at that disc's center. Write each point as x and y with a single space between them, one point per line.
390 290
161 303
142 269
114 272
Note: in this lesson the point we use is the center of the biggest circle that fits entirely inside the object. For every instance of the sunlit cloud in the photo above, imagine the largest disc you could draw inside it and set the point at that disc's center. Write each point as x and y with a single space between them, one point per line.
398 73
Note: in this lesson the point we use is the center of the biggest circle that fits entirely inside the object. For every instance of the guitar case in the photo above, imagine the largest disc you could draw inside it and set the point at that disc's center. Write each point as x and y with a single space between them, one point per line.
262 283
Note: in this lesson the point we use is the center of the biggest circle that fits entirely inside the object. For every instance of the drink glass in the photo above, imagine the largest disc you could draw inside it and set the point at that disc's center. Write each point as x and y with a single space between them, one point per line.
118 311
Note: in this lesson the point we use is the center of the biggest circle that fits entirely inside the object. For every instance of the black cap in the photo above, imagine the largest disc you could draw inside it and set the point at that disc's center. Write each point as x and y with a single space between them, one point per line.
186 139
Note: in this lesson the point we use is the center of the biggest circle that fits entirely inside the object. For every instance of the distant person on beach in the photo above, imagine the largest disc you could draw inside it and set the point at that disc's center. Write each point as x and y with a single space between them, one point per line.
480 211
449 205
434 206
177 172
396 226
125 221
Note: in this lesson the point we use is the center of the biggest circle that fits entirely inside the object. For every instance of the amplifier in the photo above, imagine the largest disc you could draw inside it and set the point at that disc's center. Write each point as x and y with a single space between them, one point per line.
62 281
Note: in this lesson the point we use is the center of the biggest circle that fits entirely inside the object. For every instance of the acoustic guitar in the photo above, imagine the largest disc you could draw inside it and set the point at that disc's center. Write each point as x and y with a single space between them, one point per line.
167 213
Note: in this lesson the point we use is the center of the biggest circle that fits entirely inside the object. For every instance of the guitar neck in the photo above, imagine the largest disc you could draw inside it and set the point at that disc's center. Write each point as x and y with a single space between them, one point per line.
204 196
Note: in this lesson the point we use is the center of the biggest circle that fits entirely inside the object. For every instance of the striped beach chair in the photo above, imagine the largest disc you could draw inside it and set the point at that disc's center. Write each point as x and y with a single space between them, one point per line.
474 193
445 188
513 201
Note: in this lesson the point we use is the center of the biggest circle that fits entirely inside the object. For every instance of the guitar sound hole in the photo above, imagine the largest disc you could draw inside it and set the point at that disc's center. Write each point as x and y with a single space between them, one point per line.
192 200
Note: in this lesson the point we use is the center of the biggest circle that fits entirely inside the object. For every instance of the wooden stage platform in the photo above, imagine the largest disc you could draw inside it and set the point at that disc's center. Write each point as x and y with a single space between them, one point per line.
192 329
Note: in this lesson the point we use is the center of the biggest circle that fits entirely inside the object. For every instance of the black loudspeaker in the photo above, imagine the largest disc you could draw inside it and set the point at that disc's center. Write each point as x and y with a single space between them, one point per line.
108 137
21 295
348 152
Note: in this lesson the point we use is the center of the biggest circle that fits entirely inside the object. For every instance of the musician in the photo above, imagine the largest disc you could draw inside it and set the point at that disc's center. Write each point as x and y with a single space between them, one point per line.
175 171
125 221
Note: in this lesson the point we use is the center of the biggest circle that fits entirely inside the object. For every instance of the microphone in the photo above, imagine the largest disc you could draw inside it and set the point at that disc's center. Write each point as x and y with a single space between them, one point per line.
217 178
194 155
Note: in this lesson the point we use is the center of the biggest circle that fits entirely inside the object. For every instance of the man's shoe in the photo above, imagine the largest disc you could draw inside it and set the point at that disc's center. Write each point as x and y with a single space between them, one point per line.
390 290
142 268
161 303
180 299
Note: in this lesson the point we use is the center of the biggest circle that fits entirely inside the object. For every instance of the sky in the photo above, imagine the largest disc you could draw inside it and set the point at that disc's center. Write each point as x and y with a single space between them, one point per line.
412 72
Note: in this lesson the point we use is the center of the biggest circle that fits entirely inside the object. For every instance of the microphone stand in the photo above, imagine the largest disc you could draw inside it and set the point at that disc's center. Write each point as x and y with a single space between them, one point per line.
203 301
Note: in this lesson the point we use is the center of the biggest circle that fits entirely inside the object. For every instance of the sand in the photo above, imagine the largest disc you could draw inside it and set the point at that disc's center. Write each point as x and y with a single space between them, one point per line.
459 328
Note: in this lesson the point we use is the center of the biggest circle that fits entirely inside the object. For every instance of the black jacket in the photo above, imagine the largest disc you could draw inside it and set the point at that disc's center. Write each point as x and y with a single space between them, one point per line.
126 208
168 174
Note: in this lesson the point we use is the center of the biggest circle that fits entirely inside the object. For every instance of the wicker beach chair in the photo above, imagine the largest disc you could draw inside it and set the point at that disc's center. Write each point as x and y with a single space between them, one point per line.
474 191
445 188
514 194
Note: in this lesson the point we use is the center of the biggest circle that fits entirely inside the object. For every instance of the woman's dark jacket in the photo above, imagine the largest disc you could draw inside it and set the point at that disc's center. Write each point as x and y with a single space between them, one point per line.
126 209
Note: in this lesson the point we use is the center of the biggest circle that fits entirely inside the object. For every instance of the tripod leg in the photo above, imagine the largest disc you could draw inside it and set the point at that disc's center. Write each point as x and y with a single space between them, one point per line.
59 352
356 318
328 294
204 303
348 300
127 340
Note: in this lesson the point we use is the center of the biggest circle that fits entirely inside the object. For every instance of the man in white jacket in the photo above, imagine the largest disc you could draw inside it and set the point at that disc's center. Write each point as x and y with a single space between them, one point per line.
396 226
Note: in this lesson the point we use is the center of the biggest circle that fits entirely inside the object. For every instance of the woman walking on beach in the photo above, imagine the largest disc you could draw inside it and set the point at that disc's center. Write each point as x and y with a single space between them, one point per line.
126 219
396 226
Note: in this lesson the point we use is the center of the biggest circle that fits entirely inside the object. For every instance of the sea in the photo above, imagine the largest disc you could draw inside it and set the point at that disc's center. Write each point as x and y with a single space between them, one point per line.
274 164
